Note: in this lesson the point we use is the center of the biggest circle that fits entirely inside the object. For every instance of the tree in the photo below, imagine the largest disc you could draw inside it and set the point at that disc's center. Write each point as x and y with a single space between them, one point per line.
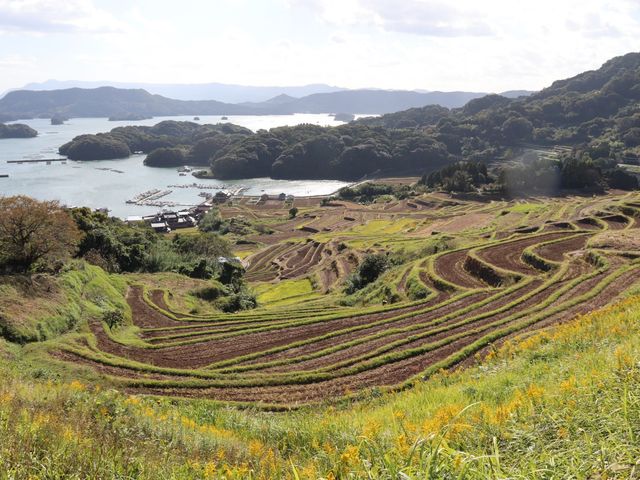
34 234
293 211
372 266
211 221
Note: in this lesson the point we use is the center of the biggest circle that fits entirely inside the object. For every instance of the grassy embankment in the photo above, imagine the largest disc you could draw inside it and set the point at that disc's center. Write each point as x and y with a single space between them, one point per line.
559 403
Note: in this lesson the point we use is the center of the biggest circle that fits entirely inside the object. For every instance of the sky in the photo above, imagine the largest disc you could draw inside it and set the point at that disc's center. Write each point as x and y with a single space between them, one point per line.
471 45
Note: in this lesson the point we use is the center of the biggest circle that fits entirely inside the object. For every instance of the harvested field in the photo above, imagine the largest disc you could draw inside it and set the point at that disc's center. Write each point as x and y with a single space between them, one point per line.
450 267
312 342
555 251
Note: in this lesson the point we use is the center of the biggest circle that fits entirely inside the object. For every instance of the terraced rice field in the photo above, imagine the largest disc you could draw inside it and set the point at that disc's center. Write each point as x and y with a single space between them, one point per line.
488 271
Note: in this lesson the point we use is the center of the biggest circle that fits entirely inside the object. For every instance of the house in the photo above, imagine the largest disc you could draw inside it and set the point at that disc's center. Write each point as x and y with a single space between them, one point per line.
265 197
160 227
168 221
220 197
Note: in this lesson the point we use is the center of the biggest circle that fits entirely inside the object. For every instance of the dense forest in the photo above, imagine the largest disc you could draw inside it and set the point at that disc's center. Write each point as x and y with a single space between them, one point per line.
595 115
596 112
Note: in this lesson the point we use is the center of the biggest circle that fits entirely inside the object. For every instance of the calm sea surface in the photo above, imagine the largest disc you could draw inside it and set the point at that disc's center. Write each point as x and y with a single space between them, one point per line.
100 184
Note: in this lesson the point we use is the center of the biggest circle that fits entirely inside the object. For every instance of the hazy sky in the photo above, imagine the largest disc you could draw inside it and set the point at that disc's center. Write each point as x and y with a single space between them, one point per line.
488 45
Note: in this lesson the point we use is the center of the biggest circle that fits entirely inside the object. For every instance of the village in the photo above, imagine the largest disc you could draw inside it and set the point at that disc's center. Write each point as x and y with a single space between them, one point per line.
167 221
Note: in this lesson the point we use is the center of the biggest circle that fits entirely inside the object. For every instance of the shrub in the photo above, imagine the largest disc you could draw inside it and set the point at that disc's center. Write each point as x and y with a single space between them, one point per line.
210 293
113 318
372 266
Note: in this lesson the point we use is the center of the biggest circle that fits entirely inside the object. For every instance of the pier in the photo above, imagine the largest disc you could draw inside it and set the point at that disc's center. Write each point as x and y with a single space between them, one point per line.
39 160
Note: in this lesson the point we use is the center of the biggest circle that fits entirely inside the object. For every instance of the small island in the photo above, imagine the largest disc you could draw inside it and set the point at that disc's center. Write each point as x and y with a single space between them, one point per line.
17 130
344 117
58 120
95 147
128 117
176 143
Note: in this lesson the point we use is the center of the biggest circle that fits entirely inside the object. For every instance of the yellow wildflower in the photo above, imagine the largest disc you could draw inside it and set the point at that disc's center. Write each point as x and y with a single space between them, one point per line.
350 455
371 429
6 397
402 444
624 360
569 385
534 392
210 470
132 400
255 448
68 434
77 386
443 417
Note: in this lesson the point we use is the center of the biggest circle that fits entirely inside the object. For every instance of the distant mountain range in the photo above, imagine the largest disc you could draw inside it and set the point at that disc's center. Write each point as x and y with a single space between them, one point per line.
118 102
221 92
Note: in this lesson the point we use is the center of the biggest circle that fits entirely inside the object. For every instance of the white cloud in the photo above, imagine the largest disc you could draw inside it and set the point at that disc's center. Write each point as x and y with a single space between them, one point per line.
492 45
470 18
53 16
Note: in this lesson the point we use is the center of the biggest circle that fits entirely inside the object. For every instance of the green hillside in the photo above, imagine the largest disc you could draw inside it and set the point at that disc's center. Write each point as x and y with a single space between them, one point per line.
424 337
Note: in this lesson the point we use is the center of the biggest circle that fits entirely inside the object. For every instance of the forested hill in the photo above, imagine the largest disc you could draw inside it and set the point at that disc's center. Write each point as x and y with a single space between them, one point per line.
597 113
126 103
570 111
105 102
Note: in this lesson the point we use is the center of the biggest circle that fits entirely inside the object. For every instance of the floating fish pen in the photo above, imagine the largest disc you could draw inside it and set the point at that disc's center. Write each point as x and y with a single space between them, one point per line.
149 196
202 186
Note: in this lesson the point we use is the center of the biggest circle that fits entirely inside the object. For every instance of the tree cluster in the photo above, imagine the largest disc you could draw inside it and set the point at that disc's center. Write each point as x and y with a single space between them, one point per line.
458 177
369 192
